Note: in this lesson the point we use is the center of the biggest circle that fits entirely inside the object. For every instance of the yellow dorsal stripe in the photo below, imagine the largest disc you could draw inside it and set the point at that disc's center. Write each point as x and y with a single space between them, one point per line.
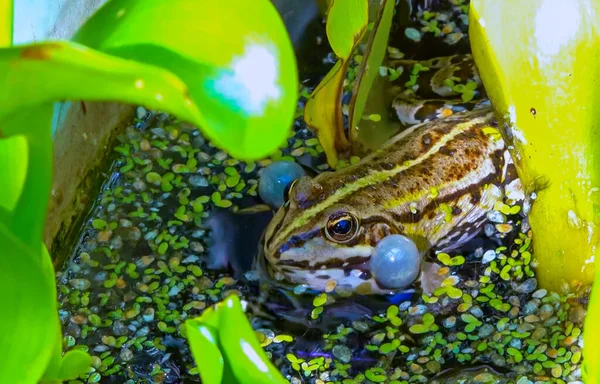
379 176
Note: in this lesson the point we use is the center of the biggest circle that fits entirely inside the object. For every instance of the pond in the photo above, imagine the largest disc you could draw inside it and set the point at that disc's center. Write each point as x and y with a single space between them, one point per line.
141 265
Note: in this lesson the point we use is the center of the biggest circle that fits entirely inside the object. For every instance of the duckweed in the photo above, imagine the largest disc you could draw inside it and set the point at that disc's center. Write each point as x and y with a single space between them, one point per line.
126 303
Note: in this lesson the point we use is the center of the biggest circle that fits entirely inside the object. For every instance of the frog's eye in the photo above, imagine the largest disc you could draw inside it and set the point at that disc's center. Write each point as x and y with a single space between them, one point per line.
341 227
288 190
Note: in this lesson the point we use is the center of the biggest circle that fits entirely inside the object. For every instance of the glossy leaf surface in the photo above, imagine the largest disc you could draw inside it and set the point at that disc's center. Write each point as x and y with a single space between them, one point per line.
347 22
31 335
30 331
323 112
226 349
188 67
6 22
235 58
542 89
67 367
542 81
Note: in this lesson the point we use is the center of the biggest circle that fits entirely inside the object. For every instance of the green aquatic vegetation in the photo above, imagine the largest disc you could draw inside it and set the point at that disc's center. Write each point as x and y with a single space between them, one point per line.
428 325
347 22
368 69
158 280
226 347
119 59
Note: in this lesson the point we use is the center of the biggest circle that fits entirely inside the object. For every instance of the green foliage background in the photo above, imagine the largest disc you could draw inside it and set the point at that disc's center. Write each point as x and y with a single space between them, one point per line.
196 64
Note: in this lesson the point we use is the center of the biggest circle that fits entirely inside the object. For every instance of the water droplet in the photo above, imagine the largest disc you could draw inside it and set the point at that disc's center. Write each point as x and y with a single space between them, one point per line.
342 353
275 178
496 217
488 256
527 286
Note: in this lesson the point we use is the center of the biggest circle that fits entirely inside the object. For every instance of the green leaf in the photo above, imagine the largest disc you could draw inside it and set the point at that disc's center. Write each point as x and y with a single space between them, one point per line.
467 318
6 21
235 58
541 90
13 152
74 364
346 25
515 353
202 78
428 319
541 80
323 113
226 348
27 142
99 224
28 293
467 95
206 77
471 85
67 367
374 54
418 329
459 88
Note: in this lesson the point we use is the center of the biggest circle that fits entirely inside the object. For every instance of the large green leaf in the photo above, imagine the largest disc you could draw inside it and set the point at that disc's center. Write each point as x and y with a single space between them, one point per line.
541 76
29 324
28 159
13 157
227 67
541 89
68 367
226 349
235 58
346 24
6 23
31 332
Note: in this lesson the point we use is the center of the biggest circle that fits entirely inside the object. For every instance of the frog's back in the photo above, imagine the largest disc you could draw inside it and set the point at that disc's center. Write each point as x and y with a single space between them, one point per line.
435 181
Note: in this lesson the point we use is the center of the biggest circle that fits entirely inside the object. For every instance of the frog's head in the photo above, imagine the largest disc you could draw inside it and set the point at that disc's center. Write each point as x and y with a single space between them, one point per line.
320 236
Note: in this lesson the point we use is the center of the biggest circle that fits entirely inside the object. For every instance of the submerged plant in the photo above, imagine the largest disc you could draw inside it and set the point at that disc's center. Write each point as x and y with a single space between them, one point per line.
197 64
324 112
346 25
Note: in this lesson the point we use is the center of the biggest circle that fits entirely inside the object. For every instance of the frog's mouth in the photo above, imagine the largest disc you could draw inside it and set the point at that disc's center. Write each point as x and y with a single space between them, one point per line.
288 267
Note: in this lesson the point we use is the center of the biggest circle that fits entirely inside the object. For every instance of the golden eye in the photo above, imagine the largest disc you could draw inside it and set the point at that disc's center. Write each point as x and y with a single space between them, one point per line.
341 227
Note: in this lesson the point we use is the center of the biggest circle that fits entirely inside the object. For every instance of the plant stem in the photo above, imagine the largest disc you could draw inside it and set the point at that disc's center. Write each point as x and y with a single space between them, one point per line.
542 82
6 21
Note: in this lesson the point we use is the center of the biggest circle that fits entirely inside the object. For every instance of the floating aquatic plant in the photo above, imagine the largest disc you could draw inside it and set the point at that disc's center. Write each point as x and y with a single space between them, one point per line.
114 56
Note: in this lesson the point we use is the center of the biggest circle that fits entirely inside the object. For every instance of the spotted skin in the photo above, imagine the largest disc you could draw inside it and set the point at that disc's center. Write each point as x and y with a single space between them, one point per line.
434 183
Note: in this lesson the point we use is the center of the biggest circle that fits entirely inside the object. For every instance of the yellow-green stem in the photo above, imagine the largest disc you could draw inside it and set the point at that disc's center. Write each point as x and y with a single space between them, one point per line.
541 75
6 23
